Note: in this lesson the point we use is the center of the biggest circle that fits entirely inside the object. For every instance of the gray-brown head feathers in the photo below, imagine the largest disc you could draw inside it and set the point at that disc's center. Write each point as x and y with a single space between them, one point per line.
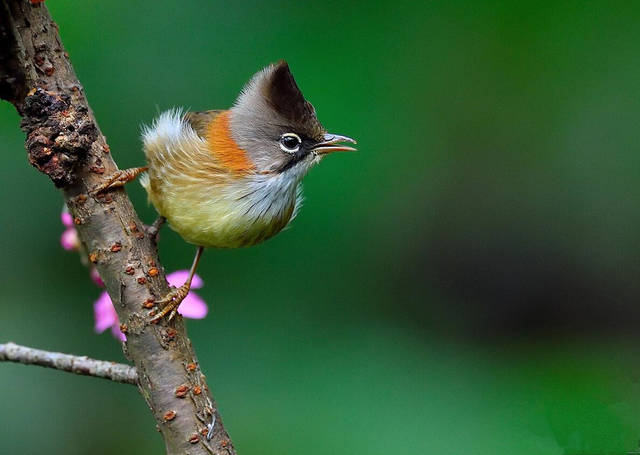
271 105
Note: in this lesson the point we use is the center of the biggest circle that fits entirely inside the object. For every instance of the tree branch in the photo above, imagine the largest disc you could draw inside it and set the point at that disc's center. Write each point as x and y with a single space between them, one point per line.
65 143
118 372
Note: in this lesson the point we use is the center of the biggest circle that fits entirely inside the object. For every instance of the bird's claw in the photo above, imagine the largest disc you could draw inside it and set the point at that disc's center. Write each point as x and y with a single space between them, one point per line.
119 178
171 302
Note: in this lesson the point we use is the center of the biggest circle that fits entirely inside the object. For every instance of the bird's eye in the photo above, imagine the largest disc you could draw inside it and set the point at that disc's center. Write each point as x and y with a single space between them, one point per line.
290 142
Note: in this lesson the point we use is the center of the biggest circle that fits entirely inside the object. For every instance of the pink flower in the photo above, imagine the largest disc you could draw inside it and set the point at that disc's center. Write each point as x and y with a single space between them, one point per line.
70 241
69 238
105 316
193 306
95 277
67 219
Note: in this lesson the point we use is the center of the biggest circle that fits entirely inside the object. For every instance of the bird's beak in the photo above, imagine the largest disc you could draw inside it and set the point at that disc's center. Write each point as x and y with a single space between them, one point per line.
331 144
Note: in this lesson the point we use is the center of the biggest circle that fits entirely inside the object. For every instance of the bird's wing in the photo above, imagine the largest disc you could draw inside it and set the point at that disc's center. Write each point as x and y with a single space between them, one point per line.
200 120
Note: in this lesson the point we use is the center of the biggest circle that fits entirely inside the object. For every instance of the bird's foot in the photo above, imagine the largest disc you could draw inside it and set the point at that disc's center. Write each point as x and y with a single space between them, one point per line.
118 178
171 302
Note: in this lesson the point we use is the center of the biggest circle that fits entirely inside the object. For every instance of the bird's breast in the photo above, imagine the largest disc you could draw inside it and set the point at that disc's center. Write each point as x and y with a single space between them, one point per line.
239 213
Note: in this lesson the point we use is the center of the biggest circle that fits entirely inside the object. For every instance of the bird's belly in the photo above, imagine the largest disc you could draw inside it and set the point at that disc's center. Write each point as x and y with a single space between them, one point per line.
226 221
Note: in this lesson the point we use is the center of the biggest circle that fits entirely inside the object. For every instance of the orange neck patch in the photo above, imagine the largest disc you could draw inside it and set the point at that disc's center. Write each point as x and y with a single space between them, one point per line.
224 148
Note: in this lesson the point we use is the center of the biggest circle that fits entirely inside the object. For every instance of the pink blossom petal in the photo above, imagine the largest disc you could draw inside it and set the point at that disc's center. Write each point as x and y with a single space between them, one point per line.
193 307
179 277
67 219
69 239
117 334
104 313
95 277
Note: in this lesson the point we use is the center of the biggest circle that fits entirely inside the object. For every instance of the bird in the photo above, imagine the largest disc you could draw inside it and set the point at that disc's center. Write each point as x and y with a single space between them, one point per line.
231 178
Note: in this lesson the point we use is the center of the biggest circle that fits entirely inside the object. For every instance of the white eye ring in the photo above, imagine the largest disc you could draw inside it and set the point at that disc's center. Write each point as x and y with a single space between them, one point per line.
287 139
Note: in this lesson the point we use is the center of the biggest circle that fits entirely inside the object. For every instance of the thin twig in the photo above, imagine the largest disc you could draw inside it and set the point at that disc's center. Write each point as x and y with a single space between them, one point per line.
118 372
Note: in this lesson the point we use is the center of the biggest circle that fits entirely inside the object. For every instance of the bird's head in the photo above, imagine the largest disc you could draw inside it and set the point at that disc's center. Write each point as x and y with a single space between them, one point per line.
277 128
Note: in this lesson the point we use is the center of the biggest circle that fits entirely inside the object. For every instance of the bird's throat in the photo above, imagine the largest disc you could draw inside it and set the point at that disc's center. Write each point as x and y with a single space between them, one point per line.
224 148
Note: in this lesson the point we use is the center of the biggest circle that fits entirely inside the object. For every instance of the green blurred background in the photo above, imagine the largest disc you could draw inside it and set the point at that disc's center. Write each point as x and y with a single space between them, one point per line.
467 283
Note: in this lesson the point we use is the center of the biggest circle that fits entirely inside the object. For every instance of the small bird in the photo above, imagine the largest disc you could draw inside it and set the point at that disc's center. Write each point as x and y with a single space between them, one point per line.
232 178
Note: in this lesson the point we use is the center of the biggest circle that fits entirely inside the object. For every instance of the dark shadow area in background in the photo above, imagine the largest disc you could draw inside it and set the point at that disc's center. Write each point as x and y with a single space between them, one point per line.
501 284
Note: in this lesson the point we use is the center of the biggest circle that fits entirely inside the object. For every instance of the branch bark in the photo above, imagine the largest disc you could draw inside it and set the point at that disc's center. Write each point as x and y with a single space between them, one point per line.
118 372
64 142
